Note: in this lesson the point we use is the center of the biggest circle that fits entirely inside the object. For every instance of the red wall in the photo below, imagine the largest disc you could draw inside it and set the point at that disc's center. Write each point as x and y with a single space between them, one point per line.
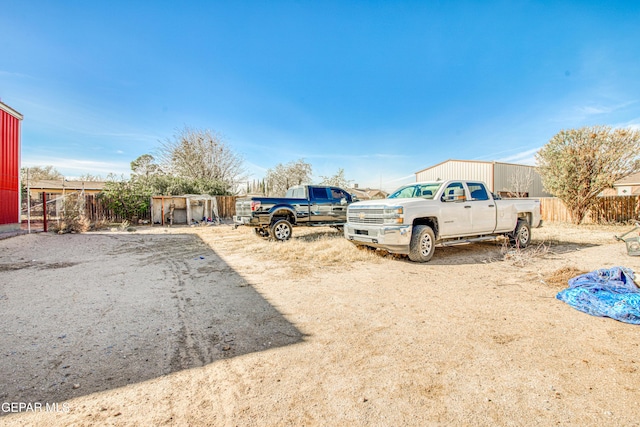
9 168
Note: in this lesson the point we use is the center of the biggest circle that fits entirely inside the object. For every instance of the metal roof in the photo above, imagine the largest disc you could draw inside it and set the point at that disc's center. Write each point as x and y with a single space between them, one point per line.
59 184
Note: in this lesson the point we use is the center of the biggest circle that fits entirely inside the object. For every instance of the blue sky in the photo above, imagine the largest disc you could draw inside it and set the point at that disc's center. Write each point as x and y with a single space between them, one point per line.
381 89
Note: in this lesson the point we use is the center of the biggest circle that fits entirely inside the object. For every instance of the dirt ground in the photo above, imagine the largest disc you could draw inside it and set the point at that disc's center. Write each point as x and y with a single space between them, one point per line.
215 326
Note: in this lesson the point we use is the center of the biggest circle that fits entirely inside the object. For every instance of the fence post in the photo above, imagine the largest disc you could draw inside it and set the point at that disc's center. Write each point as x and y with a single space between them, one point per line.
44 210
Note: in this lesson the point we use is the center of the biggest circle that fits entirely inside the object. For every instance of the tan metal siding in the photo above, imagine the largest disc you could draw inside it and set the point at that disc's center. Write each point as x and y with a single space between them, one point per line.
506 173
456 169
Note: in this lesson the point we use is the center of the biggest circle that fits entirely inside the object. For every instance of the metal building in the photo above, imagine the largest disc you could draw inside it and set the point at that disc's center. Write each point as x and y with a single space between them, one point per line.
505 179
9 168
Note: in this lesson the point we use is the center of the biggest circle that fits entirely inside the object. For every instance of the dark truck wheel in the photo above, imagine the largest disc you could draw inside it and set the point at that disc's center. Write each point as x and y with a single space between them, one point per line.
423 243
281 230
521 235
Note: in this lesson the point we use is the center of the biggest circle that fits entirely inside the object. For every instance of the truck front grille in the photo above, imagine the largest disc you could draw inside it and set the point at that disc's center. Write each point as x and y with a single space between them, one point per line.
365 216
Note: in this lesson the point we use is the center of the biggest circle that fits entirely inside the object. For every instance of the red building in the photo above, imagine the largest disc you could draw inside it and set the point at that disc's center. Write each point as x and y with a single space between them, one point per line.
9 168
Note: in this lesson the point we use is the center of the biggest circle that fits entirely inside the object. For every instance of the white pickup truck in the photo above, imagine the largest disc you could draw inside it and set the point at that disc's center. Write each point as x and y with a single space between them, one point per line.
417 217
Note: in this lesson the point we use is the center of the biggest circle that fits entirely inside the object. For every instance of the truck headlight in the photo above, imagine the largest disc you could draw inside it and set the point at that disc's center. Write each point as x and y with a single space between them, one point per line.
393 215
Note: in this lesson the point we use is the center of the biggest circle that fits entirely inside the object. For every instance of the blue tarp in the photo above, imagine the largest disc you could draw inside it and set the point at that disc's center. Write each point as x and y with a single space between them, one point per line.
608 292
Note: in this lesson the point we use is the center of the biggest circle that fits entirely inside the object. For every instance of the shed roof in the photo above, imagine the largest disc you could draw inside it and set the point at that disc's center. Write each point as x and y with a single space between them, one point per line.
59 184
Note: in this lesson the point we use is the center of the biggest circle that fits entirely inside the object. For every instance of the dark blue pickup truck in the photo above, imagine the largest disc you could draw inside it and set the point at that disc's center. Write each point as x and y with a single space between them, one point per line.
311 205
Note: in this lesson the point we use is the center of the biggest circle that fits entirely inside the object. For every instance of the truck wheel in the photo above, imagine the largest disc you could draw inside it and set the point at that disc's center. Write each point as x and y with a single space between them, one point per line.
521 236
281 230
423 243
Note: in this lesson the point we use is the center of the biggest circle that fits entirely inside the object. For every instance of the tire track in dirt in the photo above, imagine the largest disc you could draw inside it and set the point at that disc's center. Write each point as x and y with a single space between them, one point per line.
188 353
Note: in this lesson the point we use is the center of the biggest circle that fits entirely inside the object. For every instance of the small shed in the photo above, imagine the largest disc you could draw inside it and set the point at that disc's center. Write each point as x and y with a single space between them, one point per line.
9 168
185 209
61 187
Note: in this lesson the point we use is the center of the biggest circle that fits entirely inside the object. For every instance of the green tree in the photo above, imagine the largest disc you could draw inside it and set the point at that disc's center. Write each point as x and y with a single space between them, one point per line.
145 166
281 177
337 180
578 164
125 197
147 176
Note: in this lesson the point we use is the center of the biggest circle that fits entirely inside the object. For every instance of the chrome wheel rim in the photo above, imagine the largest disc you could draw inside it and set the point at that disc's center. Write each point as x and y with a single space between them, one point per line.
425 245
281 231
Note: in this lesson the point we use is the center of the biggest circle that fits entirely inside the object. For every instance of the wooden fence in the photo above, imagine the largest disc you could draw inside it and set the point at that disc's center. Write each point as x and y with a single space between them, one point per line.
96 209
226 206
610 209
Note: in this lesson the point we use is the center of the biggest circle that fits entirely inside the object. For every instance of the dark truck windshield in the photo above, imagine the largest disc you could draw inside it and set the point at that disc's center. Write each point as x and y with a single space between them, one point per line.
426 191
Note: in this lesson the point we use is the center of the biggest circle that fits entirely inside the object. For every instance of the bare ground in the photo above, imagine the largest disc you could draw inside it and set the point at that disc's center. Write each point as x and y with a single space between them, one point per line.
215 326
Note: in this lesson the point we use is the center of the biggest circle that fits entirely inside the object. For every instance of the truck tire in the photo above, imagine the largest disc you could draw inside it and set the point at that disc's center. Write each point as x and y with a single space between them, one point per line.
521 236
281 230
423 243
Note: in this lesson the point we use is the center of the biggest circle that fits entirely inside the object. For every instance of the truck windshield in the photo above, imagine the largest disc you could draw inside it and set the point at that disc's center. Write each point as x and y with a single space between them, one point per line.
426 191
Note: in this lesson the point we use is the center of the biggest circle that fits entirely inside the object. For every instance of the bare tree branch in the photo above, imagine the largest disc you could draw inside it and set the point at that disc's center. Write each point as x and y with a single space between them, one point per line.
201 154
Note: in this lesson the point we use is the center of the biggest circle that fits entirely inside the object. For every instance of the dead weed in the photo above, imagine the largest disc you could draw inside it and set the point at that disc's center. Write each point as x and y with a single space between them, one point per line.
560 277
79 224
520 257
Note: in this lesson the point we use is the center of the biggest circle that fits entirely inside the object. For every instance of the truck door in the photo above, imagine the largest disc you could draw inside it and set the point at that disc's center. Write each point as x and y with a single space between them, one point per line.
455 211
339 201
320 204
483 209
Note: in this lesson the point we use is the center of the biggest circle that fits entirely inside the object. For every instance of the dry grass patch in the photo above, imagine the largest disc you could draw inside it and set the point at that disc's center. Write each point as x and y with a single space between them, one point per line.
308 249
584 234
560 278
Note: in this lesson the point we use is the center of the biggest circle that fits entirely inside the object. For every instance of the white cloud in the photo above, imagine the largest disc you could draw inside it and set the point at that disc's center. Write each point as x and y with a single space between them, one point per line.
590 111
76 167
524 158
631 124
587 111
